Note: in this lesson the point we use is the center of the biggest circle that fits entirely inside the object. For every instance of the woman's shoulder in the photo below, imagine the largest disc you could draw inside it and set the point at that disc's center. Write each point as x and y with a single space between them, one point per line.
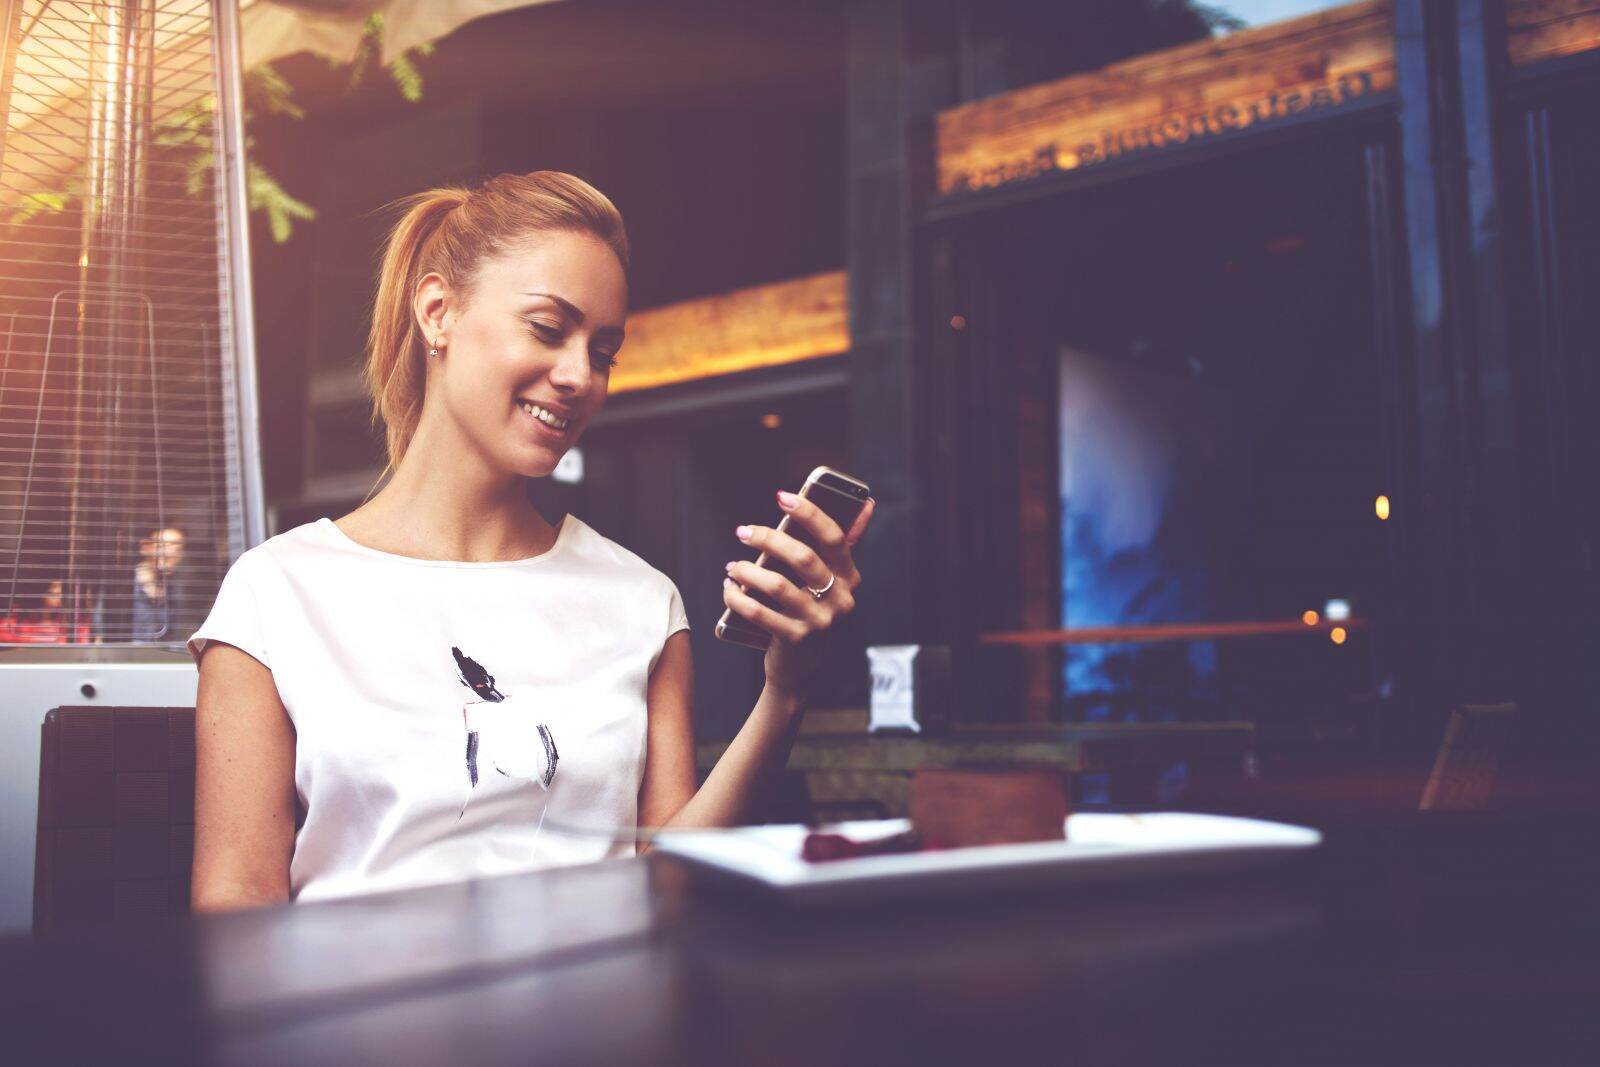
281 551
594 547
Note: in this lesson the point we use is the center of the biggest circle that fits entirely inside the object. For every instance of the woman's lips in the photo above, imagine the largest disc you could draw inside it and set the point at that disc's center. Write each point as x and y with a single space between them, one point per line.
544 429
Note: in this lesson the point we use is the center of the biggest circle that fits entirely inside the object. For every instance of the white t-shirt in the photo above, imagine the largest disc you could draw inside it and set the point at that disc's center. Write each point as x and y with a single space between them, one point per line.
442 707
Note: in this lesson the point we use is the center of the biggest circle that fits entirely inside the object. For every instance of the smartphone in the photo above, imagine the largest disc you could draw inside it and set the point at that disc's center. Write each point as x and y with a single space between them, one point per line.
841 498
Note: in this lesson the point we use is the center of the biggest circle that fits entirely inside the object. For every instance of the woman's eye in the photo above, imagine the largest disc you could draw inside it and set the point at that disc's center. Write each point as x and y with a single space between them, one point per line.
553 334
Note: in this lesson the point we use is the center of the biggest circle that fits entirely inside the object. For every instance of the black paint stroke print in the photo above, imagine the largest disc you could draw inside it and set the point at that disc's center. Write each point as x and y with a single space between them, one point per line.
550 754
481 682
476 678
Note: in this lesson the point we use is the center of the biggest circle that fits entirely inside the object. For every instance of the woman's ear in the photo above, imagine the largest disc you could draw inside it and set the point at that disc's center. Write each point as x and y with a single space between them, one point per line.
431 306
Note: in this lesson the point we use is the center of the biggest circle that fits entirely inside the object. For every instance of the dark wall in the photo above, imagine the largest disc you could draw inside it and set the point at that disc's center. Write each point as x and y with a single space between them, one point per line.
716 197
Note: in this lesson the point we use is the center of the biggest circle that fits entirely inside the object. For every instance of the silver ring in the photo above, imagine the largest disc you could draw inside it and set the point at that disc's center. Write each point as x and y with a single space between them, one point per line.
818 592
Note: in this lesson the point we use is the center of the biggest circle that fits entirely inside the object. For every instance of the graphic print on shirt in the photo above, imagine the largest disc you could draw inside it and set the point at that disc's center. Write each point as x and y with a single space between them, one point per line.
497 731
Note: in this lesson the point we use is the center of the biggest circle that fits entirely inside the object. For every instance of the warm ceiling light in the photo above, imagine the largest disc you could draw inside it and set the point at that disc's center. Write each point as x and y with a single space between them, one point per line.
771 420
1382 507
1309 618
1337 635
958 322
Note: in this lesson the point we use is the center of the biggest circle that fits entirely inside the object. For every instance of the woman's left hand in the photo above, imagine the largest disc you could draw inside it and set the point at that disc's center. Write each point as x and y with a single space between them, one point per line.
795 652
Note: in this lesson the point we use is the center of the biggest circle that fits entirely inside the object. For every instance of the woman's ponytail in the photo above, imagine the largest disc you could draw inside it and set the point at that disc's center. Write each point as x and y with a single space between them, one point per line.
394 374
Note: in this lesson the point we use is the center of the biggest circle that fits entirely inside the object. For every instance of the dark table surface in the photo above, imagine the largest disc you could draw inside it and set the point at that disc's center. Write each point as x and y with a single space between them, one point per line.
1417 940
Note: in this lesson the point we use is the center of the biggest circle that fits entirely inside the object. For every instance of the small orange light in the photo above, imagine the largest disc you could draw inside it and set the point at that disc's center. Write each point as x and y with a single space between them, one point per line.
1337 635
1382 508
772 420
958 322
1309 618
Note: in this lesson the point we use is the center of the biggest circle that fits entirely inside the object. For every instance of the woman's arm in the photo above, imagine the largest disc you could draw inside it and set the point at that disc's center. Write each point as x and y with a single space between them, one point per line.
668 796
244 799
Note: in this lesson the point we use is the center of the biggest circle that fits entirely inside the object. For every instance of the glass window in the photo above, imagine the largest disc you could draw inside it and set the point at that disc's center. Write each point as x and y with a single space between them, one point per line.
1202 477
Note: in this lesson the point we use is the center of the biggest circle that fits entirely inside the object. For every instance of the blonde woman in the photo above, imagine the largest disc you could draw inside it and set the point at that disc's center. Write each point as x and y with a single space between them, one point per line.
419 682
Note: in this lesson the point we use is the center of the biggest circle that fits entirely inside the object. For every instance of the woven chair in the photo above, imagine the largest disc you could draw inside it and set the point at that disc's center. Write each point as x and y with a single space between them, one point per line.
116 815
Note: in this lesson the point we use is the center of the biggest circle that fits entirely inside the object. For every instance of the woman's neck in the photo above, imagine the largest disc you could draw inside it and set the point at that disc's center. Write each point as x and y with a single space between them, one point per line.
442 504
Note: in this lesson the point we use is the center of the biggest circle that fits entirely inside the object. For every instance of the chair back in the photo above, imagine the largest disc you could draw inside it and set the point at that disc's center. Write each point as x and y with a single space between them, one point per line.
116 815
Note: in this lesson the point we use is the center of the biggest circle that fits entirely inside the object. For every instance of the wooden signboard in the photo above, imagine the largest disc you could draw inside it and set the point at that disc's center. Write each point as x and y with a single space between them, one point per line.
1545 29
1168 98
762 327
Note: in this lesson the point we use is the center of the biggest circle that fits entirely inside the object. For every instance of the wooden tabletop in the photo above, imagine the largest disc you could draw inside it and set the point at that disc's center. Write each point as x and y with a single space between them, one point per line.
652 962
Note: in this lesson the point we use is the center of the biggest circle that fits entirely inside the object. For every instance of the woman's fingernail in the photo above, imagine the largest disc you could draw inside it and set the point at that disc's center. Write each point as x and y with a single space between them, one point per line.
729 568
742 533
787 499
729 582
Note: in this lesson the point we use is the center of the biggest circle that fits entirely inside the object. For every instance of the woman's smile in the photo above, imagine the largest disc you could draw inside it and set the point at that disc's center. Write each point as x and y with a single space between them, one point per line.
543 424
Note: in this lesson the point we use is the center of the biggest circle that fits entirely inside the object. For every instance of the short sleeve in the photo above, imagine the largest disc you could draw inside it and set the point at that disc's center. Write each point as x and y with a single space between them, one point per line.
236 616
676 618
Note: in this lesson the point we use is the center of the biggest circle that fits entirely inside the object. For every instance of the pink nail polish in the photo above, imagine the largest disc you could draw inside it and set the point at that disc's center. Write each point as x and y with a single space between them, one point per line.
787 499
742 533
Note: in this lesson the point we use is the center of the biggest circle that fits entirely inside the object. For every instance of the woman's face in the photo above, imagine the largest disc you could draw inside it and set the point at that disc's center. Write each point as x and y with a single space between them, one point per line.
164 548
526 363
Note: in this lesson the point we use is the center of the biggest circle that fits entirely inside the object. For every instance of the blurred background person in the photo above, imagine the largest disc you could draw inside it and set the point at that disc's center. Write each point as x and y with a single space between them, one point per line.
48 621
158 602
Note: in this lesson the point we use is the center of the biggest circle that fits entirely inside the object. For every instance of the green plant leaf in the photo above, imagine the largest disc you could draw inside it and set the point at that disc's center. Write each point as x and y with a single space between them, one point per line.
267 93
265 194
406 77
32 204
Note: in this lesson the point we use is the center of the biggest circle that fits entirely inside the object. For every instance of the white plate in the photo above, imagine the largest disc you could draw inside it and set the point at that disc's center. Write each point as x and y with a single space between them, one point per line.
1098 846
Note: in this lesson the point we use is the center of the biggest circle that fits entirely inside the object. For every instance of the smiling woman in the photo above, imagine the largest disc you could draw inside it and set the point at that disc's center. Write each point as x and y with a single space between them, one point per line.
420 682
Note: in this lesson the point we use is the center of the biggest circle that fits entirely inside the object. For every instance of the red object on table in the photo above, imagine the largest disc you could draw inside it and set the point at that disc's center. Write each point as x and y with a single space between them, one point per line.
820 847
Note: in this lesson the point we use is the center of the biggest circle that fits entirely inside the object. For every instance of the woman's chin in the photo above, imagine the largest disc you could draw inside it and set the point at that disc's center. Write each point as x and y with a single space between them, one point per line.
537 462
534 458
534 470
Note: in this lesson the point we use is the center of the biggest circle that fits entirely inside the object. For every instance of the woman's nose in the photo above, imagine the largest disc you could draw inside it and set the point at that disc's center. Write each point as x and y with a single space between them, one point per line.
572 368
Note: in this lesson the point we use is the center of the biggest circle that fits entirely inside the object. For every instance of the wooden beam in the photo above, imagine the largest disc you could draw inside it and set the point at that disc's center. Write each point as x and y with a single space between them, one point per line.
1545 29
1167 98
785 322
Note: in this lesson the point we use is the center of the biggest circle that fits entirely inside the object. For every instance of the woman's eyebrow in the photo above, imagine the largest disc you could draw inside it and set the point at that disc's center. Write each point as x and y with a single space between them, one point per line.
576 313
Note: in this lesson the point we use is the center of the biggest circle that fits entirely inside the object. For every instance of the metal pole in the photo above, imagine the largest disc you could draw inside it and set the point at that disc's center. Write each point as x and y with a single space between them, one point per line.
238 340
11 26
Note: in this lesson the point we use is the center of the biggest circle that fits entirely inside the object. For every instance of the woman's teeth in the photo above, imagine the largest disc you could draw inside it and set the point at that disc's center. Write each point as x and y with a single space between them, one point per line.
542 415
